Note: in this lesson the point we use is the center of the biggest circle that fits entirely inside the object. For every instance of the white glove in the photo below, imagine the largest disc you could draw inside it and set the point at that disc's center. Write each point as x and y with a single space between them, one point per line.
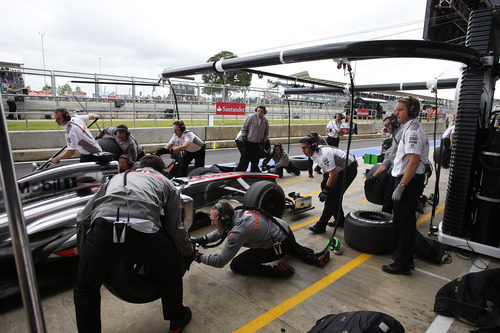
398 192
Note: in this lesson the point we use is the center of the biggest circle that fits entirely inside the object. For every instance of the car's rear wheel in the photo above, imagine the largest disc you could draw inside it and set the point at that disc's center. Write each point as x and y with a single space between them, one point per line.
369 231
267 196
111 146
301 162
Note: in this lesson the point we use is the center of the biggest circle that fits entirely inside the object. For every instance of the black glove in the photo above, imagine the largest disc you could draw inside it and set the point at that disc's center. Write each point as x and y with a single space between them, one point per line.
370 182
162 151
244 138
265 167
197 256
323 195
200 241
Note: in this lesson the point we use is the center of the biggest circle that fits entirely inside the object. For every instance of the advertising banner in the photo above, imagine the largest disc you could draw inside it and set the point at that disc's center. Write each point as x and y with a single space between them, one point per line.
237 109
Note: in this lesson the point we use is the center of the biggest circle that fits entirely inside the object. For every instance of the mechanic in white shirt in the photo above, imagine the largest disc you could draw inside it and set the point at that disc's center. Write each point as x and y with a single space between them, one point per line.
334 130
408 171
78 137
188 142
332 160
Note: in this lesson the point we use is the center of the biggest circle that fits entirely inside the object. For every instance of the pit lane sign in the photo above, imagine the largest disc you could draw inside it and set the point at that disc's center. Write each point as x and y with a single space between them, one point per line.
237 109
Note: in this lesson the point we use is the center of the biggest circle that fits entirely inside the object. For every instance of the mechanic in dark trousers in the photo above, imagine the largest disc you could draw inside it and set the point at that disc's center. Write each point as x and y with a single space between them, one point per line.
332 161
408 171
334 130
125 140
188 142
77 136
139 199
391 126
281 161
268 239
254 133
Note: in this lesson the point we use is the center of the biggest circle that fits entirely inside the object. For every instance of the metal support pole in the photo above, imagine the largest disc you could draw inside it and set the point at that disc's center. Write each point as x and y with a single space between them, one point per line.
20 243
133 96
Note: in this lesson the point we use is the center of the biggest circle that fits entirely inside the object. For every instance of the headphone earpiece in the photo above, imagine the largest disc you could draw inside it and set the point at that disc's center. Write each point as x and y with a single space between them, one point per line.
224 218
66 116
261 107
413 110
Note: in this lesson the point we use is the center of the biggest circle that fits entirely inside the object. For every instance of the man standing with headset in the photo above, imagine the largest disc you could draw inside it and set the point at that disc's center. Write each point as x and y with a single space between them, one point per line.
408 171
254 132
77 136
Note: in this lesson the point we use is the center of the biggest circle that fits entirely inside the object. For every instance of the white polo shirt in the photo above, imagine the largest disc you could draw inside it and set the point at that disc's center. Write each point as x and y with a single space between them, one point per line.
449 131
413 141
196 145
329 158
334 126
78 137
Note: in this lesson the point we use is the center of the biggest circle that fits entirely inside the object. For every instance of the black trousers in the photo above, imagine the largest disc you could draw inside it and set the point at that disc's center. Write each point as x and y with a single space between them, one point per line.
250 154
187 157
405 221
156 251
388 181
333 141
12 108
290 169
250 262
332 201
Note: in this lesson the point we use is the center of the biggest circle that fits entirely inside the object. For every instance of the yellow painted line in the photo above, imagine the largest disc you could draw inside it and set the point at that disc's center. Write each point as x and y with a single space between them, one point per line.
427 216
364 201
303 224
300 297
354 188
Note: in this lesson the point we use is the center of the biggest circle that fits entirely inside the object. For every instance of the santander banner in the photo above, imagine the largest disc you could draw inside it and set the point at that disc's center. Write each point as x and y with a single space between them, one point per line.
363 113
237 109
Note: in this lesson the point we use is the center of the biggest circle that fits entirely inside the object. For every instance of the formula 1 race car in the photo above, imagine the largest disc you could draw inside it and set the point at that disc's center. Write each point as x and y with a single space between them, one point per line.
51 199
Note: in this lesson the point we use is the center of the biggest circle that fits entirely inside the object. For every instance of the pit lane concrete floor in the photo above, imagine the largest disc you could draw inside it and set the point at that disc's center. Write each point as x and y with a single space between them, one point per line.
222 301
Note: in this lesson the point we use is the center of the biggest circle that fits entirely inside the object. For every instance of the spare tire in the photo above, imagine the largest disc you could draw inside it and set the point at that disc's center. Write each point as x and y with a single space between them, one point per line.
375 194
111 146
369 231
301 162
267 196
131 282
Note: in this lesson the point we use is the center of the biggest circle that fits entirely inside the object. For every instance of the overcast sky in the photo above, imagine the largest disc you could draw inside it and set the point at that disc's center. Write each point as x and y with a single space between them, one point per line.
140 38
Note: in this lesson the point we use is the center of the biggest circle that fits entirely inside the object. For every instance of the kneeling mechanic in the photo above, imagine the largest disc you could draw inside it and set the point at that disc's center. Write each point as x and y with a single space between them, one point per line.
268 239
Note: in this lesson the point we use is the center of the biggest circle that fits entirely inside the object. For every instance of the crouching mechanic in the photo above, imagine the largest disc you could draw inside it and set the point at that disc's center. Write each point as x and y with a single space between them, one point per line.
125 217
268 239
281 161
332 160
188 142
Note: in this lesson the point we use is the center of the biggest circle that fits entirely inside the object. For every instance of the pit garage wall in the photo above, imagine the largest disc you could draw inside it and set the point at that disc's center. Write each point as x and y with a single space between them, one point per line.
41 145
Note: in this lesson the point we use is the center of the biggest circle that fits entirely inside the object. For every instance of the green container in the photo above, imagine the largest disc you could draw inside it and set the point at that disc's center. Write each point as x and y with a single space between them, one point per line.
370 159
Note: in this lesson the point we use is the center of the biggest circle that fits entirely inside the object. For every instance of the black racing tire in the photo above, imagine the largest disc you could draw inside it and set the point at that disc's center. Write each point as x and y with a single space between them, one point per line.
204 171
301 162
437 155
369 231
111 146
267 196
131 282
200 220
375 194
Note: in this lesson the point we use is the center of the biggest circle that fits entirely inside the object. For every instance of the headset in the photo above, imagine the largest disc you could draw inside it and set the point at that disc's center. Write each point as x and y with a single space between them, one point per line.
393 120
413 107
224 218
64 113
122 128
181 125
261 107
311 142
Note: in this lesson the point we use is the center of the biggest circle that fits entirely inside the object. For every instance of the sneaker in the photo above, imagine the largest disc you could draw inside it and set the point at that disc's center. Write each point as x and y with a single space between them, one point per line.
311 175
332 224
283 270
297 173
318 229
321 259
393 269
177 325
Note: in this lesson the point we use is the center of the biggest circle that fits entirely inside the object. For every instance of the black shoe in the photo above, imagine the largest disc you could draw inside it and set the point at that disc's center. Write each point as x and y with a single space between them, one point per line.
332 224
283 270
321 259
393 269
311 175
297 173
177 325
318 229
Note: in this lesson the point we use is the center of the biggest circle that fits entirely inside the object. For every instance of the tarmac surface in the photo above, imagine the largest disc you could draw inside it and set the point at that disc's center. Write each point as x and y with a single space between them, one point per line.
223 301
